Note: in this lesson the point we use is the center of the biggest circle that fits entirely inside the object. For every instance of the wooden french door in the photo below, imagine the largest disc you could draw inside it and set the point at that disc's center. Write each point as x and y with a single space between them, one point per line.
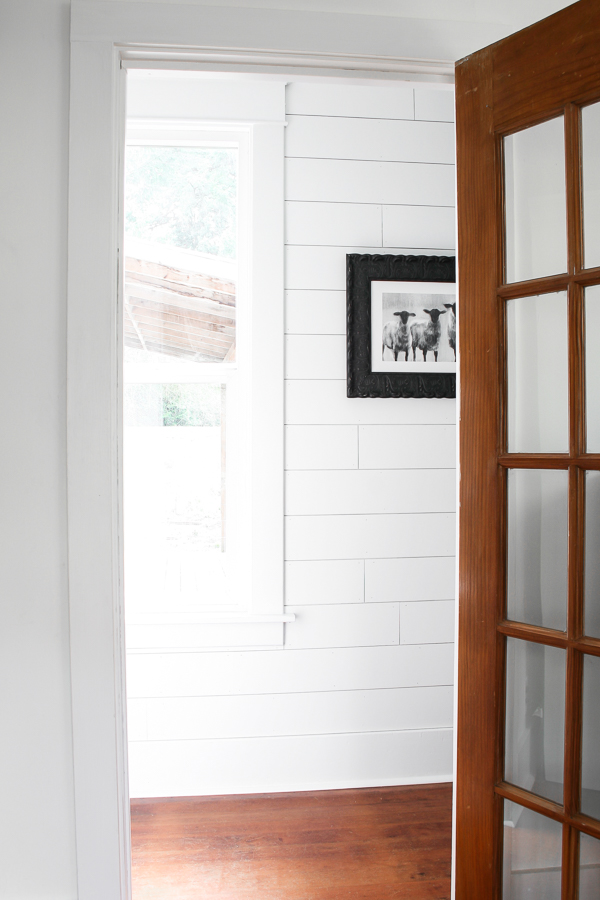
528 156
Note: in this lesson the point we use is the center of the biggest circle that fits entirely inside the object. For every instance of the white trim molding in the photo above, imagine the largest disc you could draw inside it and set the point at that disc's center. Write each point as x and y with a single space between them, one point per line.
338 63
290 40
94 515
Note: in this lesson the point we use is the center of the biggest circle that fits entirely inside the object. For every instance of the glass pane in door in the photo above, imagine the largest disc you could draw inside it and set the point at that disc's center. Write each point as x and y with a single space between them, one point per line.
590 776
538 547
590 136
592 367
589 868
538 374
535 718
532 855
535 199
592 554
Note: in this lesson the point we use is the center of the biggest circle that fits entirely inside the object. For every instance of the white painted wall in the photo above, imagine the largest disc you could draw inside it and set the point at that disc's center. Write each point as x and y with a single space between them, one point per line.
37 845
362 692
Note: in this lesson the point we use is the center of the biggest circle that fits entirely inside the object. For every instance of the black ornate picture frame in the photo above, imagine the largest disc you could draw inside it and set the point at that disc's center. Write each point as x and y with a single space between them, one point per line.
361 271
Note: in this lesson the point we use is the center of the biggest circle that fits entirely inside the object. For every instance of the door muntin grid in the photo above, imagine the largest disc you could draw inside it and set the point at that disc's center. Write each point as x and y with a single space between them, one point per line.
574 812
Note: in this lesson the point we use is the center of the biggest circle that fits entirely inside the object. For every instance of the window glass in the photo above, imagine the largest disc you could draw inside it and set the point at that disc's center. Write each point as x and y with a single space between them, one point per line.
532 855
535 718
535 201
538 547
590 776
538 374
589 867
592 368
590 133
181 377
592 554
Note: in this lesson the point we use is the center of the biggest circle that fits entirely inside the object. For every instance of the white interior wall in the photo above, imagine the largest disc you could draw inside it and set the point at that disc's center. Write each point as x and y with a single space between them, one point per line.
362 692
37 842
37 856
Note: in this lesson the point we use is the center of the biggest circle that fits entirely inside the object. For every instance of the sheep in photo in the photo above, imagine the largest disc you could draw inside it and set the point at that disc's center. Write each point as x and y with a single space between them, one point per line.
397 336
426 333
452 326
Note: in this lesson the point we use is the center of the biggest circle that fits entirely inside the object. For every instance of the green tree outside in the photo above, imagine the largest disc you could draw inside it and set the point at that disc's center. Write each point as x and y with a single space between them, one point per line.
183 196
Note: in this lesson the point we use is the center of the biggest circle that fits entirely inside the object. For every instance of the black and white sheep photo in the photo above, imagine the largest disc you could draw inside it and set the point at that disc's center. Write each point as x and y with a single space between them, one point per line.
417 328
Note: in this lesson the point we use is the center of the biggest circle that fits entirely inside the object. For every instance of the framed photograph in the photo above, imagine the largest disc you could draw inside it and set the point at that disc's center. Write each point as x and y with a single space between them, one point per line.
401 325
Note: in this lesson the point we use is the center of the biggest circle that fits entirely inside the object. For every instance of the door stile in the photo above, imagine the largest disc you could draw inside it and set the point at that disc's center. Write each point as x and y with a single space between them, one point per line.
574 680
576 553
502 493
572 762
572 115
575 294
574 675
570 863
577 446
477 808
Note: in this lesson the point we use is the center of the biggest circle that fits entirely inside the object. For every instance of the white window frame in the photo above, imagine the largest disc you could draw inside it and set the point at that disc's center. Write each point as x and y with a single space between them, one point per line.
258 621
103 34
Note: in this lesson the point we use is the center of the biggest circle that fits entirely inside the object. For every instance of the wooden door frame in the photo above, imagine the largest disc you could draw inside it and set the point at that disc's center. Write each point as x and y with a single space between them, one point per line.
501 89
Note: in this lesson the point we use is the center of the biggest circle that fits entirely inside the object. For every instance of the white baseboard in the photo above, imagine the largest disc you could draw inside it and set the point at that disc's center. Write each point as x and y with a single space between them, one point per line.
287 764
330 786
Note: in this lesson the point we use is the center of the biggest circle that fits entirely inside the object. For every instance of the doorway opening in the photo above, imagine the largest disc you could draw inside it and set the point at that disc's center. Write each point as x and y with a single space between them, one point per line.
335 713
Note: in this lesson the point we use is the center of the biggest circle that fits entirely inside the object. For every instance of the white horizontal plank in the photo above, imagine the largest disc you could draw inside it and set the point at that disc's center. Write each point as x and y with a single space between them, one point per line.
407 446
137 720
434 105
301 763
419 226
431 621
208 636
288 671
324 581
324 268
333 224
370 537
409 580
274 715
326 403
364 181
369 491
315 312
328 137
343 625
361 101
321 447
315 356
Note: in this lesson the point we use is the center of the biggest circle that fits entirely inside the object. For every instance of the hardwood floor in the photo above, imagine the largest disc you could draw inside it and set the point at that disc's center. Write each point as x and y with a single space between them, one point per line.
367 844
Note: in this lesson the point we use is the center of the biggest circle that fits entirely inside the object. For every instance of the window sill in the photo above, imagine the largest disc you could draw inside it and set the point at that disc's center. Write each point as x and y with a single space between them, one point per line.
194 632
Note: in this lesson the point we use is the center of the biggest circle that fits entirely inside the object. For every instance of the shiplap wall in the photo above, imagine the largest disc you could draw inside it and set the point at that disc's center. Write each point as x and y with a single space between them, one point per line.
362 692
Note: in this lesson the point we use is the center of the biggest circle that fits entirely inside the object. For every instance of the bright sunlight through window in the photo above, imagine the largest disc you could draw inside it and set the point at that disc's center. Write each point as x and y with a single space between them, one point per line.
182 472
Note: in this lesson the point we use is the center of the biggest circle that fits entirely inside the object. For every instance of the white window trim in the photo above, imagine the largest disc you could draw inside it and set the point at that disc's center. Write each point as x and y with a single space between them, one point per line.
260 595
102 36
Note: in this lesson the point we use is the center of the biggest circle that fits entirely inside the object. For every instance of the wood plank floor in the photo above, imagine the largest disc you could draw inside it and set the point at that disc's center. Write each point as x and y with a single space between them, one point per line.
367 844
